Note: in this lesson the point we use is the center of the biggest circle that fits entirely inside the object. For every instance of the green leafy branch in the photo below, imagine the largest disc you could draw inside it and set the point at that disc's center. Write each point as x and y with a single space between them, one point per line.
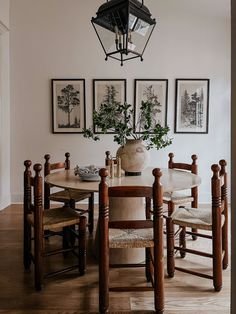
118 119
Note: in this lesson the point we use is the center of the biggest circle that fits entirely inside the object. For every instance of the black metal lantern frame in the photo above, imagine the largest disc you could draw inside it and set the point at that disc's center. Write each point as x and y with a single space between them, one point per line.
124 28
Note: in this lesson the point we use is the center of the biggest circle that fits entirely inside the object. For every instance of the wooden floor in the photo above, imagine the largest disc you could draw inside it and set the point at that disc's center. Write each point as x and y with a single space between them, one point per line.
70 294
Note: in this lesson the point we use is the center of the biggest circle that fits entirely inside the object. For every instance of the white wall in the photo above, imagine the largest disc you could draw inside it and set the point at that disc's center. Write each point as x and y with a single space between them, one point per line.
55 39
4 106
4 12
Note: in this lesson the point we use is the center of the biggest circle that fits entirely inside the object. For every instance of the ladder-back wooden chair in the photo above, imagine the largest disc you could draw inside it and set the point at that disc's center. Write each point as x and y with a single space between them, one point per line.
69 197
146 234
177 198
38 220
214 220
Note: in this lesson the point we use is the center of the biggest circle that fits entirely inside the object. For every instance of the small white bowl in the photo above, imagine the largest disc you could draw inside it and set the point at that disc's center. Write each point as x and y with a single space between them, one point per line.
88 173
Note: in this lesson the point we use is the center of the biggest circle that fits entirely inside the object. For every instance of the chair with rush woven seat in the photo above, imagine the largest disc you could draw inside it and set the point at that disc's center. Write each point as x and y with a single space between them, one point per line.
214 220
130 234
69 197
177 198
38 219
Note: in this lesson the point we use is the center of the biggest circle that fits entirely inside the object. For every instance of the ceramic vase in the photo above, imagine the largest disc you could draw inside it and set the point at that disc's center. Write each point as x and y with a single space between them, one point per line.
134 157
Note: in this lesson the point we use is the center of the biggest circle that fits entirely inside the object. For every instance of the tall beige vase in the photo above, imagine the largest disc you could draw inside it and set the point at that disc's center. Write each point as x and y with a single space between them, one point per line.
134 157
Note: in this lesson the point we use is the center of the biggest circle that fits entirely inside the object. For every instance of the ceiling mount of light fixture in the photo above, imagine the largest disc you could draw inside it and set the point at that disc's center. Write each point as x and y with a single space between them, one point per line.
124 28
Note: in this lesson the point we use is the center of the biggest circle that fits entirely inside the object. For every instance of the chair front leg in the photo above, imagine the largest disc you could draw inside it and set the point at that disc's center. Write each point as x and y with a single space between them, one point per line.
91 213
217 260
38 258
82 245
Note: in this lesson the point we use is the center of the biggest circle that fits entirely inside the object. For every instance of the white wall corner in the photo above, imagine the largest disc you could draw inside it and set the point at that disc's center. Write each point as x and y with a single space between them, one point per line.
3 28
6 201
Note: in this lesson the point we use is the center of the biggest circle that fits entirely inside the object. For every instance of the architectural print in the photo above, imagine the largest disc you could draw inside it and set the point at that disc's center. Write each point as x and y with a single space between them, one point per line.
192 98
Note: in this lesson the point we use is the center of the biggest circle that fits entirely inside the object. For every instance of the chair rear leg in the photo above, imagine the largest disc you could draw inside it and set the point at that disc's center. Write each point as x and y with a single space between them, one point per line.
72 236
170 247
66 239
27 245
225 242
148 267
171 208
182 241
82 245
91 214
194 237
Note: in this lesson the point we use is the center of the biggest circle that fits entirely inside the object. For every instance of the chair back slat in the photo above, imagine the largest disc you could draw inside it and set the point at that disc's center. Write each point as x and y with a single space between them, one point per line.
130 191
131 224
57 165
181 166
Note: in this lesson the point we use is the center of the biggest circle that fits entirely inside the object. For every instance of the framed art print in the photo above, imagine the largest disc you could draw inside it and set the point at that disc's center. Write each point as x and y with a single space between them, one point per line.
109 92
154 91
192 106
68 105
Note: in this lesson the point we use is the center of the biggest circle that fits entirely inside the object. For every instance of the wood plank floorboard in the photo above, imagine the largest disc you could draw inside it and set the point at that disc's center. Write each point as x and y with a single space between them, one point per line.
71 294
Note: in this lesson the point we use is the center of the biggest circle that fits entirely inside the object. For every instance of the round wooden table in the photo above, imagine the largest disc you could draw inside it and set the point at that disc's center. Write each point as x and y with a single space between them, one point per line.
172 180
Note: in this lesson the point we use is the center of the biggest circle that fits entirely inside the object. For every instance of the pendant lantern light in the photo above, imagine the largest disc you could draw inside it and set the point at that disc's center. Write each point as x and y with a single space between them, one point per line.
124 28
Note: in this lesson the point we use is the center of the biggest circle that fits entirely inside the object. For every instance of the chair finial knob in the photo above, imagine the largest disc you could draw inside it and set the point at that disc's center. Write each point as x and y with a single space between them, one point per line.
194 157
103 172
157 172
223 163
215 168
47 157
37 168
27 163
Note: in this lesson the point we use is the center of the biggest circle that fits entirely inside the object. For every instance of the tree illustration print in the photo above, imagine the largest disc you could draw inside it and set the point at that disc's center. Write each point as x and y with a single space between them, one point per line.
150 96
110 103
67 102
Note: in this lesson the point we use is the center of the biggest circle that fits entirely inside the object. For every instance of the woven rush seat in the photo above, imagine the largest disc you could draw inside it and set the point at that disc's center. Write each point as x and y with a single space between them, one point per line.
194 217
67 195
57 218
131 238
178 197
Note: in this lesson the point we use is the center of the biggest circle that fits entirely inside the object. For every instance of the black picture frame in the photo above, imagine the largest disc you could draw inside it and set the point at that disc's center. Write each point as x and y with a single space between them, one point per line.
68 116
154 90
103 89
192 106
